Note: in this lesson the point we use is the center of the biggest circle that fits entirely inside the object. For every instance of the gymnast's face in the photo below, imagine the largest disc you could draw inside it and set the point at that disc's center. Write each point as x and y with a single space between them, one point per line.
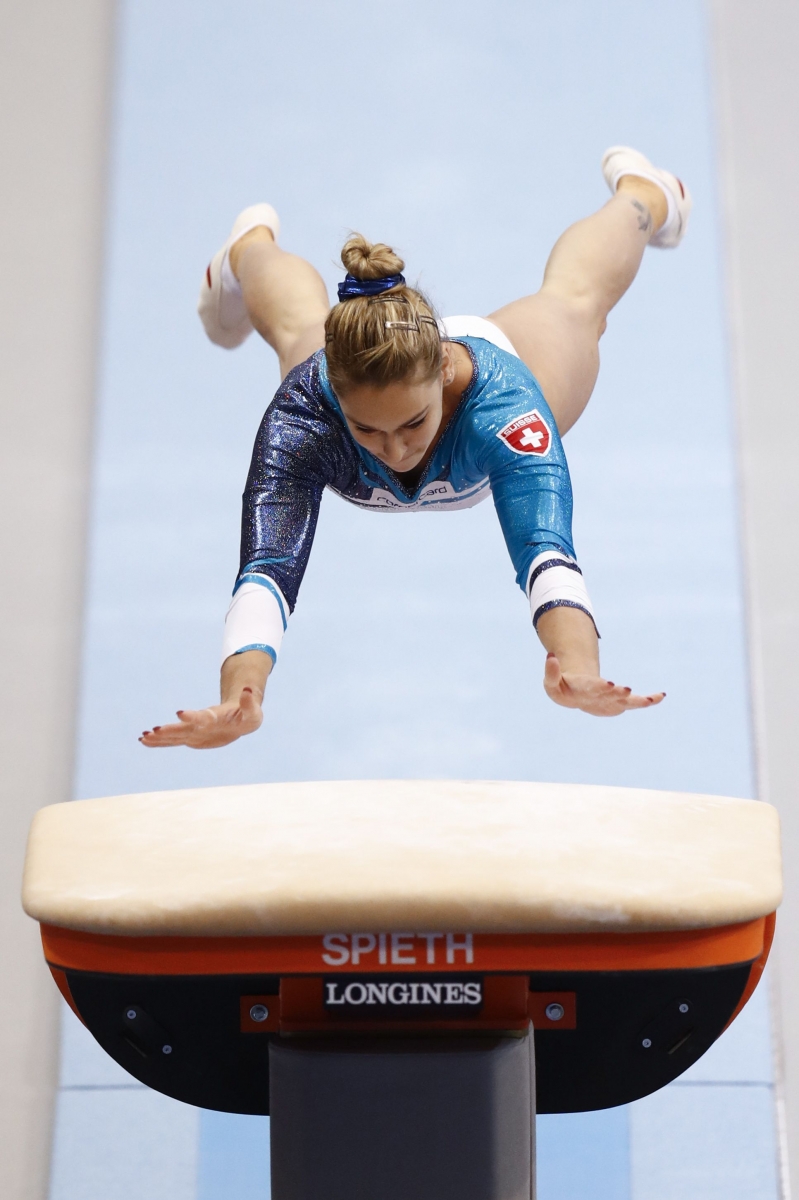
398 423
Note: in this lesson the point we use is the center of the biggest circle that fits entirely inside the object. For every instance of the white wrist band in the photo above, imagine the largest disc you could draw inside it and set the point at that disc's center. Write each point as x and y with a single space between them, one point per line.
257 617
556 581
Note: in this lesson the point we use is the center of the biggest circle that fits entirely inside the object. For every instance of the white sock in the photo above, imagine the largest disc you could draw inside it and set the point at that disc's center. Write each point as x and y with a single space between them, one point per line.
230 284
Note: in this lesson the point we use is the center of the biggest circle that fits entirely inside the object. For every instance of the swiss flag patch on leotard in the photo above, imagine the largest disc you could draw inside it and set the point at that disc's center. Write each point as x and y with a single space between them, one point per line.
528 434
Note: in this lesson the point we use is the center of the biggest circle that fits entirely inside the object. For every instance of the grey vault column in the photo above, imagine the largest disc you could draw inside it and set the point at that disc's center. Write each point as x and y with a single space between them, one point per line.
431 1118
54 89
756 49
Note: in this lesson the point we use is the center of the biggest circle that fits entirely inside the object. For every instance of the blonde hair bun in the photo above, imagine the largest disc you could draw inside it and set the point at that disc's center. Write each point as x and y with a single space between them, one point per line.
377 340
367 260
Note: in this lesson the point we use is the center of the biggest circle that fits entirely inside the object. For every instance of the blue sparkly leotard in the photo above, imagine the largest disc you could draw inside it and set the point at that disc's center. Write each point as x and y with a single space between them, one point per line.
501 439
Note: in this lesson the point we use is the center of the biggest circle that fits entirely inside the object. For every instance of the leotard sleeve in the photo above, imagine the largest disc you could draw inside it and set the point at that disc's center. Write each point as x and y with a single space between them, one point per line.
298 451
526 466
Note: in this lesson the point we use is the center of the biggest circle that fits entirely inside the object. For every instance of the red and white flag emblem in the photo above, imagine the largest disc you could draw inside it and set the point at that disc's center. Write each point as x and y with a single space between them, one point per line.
528 434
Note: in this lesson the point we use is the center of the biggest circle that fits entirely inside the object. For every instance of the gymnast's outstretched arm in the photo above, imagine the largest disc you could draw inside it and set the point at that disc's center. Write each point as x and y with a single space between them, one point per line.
242 687
571 675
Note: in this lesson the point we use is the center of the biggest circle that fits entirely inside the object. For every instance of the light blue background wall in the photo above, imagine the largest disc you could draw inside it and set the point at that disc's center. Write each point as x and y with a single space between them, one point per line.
468 136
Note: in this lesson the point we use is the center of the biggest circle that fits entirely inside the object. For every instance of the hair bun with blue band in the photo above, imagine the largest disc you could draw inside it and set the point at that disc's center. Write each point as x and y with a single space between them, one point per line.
367 287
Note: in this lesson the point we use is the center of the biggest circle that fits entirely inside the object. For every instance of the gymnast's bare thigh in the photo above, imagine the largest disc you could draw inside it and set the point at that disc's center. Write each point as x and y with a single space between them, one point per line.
558 340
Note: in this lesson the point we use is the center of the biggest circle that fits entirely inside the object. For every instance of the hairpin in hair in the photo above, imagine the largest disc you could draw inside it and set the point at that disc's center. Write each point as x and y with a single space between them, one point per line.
414 325
390 300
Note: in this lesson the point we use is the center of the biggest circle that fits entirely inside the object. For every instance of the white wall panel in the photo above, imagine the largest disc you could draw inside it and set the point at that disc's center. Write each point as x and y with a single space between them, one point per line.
757 90
54 77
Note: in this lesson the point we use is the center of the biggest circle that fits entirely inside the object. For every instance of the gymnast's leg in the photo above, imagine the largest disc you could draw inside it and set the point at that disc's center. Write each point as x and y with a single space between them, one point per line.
556 331
285 296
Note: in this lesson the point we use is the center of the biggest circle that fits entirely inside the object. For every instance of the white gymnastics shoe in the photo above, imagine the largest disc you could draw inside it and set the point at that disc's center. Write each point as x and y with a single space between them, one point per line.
221 303
622 160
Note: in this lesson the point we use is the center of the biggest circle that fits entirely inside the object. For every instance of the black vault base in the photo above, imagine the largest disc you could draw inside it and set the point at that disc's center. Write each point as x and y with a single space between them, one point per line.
635 1032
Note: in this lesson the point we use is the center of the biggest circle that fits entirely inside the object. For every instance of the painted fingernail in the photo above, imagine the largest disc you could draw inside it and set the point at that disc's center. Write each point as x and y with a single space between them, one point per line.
180 712
627 690
156 728
611 684
247 690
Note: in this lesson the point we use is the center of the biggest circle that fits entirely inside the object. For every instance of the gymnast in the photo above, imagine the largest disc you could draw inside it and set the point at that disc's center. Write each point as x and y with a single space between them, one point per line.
398 411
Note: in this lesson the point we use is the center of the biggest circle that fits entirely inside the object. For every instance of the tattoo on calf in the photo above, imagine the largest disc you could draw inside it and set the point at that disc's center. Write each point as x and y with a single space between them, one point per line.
644 216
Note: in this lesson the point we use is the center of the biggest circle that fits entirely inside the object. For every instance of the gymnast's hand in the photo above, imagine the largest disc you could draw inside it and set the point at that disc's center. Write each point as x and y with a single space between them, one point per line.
239 711
571 674
591 693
